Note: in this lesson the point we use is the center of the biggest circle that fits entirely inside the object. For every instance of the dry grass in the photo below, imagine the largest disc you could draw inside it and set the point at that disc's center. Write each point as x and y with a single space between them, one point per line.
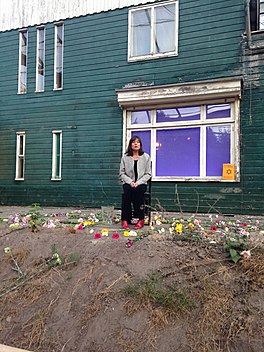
253 268
213 315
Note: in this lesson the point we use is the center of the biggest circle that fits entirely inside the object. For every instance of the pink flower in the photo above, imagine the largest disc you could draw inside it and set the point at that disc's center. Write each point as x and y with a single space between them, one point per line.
115 236
214 228
80 227
245 254
97 236
129 244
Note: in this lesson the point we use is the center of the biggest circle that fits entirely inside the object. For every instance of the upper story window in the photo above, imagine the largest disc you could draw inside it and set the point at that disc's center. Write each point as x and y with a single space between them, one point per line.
40 61
20 156
257 15
58 56
153 31
22 66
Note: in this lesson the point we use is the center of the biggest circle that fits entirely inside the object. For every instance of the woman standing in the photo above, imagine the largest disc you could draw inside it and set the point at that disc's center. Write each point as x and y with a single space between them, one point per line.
135 171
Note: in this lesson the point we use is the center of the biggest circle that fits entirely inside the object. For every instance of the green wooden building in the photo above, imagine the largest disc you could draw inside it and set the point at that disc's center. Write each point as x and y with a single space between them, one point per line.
78 80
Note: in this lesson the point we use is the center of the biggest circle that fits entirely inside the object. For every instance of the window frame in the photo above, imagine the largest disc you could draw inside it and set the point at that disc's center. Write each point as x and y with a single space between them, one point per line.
20 156
55 164
152 54
154 126
40 28
55 85
21 32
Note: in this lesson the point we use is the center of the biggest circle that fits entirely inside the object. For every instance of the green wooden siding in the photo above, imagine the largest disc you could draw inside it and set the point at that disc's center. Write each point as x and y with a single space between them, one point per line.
211 45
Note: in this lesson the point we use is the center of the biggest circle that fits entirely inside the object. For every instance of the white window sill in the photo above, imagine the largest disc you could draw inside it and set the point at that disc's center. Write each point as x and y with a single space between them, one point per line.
151 56
57 89
39 91
193 179
19 179
56 179
21 93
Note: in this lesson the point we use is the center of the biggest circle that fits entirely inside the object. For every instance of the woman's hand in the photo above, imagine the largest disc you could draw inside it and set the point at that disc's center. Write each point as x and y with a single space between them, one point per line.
133 184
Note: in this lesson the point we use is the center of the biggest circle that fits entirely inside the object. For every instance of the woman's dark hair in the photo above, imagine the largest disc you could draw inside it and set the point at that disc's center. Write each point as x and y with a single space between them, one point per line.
129 150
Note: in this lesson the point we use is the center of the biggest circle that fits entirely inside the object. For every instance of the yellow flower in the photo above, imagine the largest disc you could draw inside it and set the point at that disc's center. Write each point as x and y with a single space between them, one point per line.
89 223
126 233
14 226
191 224
7 250
104 232
178 228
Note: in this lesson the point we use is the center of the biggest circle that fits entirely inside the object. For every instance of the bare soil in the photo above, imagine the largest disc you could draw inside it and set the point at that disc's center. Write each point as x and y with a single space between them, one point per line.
95 299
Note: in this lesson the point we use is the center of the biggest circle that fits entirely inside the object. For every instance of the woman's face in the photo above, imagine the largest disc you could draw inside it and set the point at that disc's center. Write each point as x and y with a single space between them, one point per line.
135 145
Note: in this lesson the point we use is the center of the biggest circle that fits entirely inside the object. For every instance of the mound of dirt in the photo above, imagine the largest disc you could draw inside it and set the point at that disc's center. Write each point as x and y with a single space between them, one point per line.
62 290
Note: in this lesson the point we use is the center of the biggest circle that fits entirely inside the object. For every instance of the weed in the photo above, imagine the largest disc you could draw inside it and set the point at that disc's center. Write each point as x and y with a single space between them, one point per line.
34 217
153 290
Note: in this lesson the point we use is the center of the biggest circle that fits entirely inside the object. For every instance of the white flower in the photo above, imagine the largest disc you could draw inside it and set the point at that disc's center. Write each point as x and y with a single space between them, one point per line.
245 254
92 231
133 233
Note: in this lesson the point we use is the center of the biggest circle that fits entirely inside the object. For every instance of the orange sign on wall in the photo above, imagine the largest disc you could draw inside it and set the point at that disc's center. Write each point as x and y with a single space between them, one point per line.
228 172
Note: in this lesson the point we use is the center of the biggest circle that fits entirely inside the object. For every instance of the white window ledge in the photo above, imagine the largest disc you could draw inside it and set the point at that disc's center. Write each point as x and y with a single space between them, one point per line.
183 92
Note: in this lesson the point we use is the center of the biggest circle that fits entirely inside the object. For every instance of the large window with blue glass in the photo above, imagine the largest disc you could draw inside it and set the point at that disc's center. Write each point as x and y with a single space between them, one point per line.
188 142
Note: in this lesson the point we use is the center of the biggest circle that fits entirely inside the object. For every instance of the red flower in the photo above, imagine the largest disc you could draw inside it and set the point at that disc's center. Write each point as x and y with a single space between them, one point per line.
97 236
115 236
214 228
245 225
129 244
80 227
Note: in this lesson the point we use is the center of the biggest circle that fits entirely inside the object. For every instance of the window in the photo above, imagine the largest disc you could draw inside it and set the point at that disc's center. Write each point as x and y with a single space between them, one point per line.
20 156
22 70
186 141
40 62
58 56
56 155
257 15
190 130
153 31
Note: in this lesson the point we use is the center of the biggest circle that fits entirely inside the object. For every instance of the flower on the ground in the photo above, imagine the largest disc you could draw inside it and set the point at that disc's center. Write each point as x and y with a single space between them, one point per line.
126 233
245 254
178 228
162 230
129 244
7 250
97 236
104 232
133 233
49 225
14 226
213 228
115 236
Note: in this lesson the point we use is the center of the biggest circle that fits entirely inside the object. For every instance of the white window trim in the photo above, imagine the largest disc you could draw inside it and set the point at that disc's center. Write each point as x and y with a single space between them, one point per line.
24 30
55 55
153 55
18 156
54 160
207 92
37 58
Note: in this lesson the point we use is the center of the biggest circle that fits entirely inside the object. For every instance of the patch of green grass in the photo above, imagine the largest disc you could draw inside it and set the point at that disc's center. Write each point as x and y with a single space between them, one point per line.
153 289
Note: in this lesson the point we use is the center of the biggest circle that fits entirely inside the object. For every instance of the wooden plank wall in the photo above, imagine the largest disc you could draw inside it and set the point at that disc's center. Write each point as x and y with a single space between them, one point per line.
211 45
